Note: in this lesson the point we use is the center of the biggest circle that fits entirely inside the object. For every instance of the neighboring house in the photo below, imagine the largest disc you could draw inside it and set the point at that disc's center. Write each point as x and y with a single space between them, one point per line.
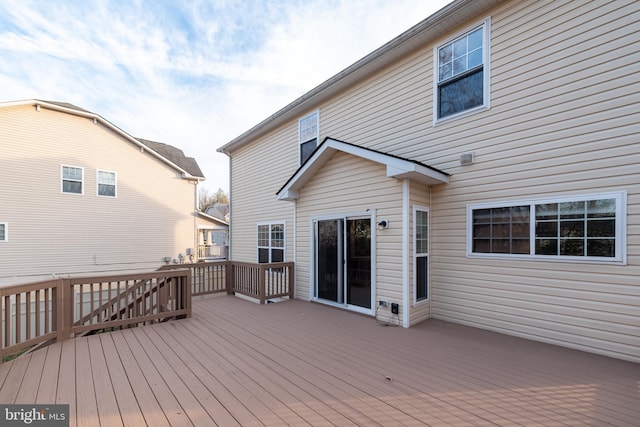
81 196
481 168
213 237
219 210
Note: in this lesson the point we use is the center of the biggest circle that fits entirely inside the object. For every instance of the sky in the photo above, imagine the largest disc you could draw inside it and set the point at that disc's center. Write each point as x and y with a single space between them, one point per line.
192 73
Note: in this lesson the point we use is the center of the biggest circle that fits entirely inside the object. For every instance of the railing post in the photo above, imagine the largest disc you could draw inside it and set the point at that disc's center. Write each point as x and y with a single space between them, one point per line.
187 292
228 266
63 310
292 278
261 284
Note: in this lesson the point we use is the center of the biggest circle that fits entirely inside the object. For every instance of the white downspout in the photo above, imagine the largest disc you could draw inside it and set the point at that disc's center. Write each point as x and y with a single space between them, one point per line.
405 253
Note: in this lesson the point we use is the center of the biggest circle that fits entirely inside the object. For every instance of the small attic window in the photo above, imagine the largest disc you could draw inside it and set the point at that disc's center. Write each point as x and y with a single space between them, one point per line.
308 135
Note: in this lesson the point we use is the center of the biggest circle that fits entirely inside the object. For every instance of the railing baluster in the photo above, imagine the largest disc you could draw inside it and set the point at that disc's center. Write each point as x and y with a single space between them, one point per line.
7 321
18 319
27 298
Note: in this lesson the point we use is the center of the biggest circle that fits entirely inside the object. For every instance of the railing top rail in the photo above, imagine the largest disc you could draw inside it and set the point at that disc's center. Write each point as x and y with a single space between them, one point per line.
28 287
192 265
264 265
122 277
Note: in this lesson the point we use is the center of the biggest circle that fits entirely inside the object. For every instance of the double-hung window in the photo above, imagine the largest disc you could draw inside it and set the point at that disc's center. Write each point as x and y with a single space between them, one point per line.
421 254
461 82
589 228
4 232
71 181
106 183
270 243
308 135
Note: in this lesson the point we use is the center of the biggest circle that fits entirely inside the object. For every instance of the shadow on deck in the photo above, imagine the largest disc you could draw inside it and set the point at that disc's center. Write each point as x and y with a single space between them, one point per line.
238 363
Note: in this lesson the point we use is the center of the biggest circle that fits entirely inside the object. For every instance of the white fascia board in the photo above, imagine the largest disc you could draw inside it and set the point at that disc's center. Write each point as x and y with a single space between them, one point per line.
417 173
396 168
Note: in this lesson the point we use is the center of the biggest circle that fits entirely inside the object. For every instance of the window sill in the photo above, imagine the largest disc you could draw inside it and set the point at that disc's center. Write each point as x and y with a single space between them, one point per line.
544 258
454 117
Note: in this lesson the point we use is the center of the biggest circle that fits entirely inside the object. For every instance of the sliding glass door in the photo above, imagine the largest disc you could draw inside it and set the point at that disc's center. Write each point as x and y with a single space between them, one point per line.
343 261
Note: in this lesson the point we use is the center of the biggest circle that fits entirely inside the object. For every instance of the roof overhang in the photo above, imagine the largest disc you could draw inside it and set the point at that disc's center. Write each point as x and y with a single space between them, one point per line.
213 219
396 167
429 30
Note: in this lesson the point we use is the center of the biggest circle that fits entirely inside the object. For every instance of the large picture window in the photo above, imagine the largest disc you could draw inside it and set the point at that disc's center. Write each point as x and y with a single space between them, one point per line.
308 135
462 73
270 243
584 227
421 254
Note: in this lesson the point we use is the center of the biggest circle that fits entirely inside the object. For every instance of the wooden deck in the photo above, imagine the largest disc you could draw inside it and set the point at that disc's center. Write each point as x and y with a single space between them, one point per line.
295 363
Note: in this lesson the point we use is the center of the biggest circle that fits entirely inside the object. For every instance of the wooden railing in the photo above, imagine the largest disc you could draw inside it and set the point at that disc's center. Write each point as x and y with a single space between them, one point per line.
212 251
62 308
30 315
260 281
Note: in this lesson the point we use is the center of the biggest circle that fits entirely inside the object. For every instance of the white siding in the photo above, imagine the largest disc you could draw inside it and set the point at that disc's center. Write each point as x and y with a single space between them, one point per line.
564 120
151 217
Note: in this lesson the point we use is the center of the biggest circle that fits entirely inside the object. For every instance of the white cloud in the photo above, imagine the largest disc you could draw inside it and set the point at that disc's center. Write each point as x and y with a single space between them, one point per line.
194 75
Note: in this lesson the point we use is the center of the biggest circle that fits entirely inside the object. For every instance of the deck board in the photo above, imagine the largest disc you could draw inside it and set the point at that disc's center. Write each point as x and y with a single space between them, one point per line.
166 399
107 406
49 376
87 405
295 363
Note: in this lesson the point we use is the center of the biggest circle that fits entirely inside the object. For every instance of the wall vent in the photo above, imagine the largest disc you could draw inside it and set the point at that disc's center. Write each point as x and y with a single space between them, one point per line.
466 158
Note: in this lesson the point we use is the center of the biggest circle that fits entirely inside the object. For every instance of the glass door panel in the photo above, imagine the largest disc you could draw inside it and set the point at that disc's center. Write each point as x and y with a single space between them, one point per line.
359 262
329 244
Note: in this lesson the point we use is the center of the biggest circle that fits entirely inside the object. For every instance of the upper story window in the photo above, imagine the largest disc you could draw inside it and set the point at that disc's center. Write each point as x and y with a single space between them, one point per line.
4 232
270 243
106 183
308 135
72 179
462 74
579 228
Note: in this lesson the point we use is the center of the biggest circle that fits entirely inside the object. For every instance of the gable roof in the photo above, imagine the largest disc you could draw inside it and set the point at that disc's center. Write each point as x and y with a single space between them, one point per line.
175 155
397 167
213 218
168 154
429 30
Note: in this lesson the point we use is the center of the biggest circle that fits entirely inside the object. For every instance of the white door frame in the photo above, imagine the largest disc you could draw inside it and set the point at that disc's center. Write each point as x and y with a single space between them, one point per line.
369 214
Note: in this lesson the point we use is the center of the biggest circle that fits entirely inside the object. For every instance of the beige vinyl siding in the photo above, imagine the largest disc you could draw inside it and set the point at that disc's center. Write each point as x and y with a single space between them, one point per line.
557 128
349 185
56 233
257 173
419 198
564 121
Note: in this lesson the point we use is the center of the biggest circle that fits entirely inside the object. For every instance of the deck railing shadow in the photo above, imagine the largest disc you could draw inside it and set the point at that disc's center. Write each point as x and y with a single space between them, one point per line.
60 309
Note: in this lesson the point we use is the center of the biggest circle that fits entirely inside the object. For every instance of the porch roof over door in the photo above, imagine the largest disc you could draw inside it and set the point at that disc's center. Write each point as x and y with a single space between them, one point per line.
397 167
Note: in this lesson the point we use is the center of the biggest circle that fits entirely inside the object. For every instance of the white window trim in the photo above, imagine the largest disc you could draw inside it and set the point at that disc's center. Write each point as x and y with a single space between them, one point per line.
82 180
98 184
6 232
486 56
417 302
284 247
317 135
621 229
